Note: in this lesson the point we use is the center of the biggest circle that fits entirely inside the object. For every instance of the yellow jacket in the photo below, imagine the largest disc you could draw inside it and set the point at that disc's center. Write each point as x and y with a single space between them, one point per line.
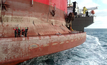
84 10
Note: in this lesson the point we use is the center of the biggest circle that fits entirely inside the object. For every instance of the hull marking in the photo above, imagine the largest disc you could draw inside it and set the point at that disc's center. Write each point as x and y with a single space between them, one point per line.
54 43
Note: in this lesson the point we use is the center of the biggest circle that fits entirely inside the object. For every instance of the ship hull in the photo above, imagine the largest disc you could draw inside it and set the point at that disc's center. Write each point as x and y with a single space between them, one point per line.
46 33
16 50
37 17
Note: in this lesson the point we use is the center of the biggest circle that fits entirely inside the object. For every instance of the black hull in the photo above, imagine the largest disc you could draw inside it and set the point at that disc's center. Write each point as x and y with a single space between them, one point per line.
80 22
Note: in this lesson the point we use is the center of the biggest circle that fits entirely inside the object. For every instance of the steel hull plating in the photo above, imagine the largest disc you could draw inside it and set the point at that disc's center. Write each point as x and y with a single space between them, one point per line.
46 33
37 17
15 50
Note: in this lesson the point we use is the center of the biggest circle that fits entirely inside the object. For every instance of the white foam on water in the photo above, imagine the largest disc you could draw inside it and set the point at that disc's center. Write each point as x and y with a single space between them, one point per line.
92 51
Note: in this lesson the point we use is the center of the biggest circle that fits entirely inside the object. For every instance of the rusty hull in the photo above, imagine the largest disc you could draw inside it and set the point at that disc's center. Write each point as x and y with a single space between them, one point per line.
15 50
46 34
37 18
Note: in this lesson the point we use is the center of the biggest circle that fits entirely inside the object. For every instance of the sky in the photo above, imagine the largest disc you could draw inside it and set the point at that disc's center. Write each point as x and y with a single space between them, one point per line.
100 21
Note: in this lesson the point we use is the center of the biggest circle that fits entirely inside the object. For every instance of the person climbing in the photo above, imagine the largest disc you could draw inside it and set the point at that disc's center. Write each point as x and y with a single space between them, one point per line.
26 29
23 31
15 31
19 32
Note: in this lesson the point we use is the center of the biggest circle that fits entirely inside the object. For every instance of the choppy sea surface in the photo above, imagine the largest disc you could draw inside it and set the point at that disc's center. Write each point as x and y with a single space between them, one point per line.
92 52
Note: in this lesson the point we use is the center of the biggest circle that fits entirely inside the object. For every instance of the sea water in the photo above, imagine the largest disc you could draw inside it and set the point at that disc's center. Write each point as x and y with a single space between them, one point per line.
92 52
